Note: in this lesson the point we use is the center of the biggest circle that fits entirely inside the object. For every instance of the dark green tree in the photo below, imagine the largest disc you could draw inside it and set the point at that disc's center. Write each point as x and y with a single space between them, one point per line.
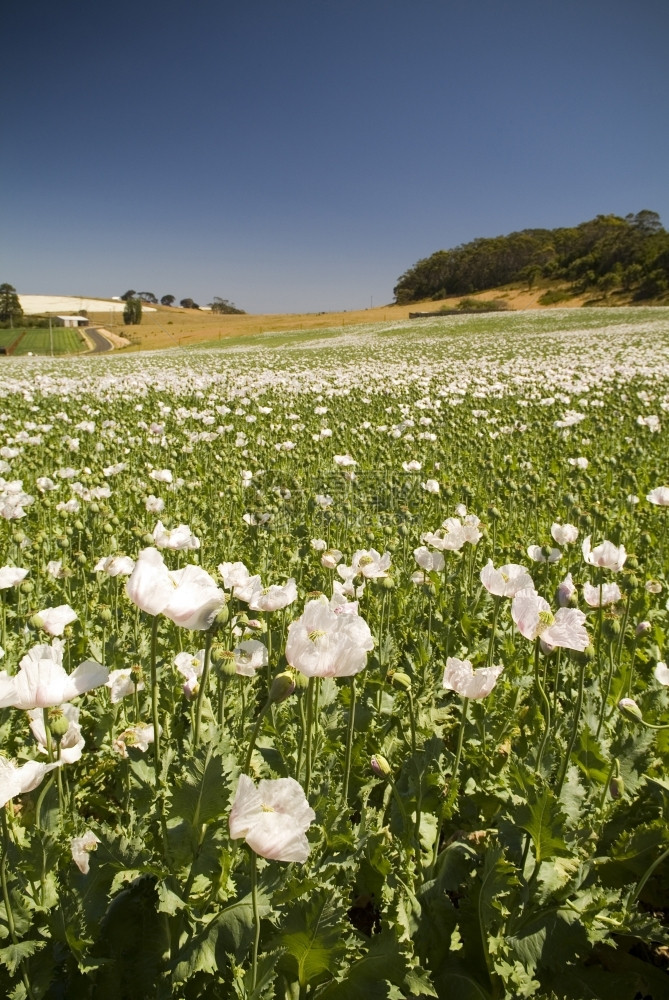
132 314
10 306
188 304
224 306
147 297
167 300
130 294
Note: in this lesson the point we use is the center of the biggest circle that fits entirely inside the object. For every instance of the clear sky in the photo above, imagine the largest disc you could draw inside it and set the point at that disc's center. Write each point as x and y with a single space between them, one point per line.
300 155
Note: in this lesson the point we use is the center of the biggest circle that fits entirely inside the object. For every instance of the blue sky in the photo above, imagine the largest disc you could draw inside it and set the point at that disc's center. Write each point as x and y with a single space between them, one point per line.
299 156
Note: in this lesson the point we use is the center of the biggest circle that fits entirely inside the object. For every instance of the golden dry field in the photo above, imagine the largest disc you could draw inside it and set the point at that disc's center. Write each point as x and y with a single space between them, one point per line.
176 327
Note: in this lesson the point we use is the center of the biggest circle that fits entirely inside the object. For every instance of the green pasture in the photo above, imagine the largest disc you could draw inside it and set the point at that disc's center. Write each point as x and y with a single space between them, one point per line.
36 340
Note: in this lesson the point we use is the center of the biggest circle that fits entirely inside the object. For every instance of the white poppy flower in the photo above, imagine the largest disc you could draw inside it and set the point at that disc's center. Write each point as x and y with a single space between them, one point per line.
322 643
81 847
564 534
54 620
272 818
431 562
250 656
534 619
71 743
609 595
10 576
121 684
177 539
505 581
459 676
659 496
15 780
41 681
537 554
606 555
274 597
661 673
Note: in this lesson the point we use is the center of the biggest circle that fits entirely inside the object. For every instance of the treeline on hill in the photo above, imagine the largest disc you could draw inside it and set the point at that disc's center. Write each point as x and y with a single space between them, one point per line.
219 305
608 253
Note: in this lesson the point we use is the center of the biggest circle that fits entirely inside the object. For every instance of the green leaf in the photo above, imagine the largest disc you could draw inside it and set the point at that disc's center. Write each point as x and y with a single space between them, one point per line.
229 932
544 820
371 976
589 756
312 936
12 956
201 793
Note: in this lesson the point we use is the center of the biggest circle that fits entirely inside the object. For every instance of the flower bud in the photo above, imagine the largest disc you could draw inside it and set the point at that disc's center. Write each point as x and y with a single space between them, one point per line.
642 628
282 687
105 614
222 616
400 680
387 583
136 674
616 787
380 766
611 628
587 656
630 710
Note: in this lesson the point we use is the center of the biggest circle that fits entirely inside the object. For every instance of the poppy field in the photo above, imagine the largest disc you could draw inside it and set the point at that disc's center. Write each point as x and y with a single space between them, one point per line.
335 665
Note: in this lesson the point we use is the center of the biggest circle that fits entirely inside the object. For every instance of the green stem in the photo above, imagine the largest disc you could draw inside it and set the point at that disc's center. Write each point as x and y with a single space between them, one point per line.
574 727
154 699
256 919
8 903
202 687
607 691
546 704
310 726
647 874
254 735
491 644
452 788
349 741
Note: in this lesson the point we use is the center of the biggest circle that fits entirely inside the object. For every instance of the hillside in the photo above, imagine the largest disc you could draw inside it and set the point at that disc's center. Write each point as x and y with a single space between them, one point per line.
627 258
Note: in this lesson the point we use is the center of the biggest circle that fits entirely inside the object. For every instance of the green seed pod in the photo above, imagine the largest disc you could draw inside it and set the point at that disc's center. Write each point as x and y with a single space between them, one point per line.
27 587
105 614
79 525
387 582
108 530
94 507
58 723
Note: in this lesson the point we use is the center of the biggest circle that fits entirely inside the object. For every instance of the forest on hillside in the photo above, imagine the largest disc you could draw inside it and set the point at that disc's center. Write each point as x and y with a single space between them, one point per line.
606 254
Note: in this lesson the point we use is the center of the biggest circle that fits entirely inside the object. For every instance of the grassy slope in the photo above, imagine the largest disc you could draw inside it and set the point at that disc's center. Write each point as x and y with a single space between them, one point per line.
176 327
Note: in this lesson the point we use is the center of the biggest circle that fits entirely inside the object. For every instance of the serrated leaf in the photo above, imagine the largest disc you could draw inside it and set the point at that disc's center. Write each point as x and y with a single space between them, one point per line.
371 976
544 820
312 936
589 757
229 932
12 956
200 793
